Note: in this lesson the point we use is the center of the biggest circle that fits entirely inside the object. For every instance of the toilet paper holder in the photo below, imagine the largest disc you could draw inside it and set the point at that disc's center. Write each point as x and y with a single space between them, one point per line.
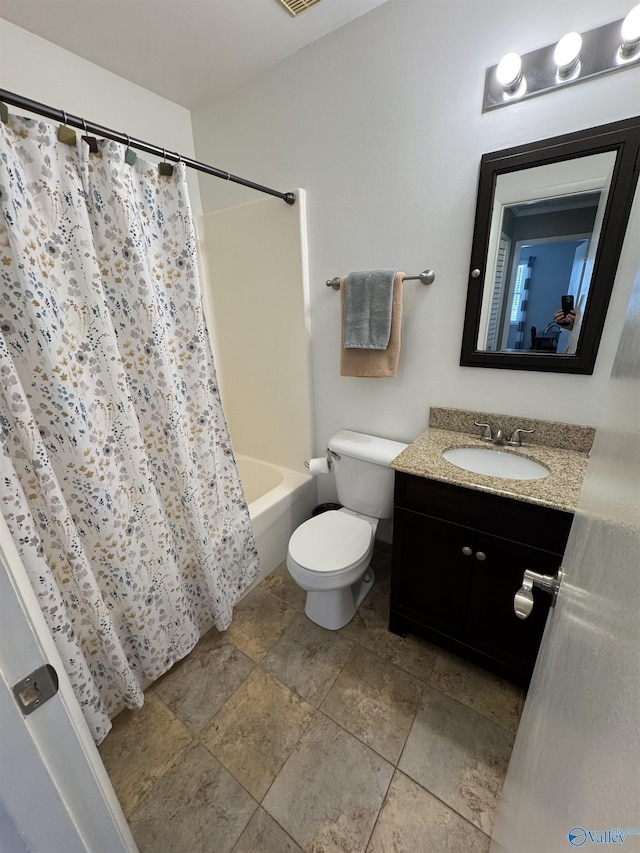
330 455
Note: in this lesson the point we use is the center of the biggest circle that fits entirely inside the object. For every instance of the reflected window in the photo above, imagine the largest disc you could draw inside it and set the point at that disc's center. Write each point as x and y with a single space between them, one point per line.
542 257
546 247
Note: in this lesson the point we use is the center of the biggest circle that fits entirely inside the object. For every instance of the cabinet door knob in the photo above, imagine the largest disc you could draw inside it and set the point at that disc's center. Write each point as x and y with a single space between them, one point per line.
467 551
480 555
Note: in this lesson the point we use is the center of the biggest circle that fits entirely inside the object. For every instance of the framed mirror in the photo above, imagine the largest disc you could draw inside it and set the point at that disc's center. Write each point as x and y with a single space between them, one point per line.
550 223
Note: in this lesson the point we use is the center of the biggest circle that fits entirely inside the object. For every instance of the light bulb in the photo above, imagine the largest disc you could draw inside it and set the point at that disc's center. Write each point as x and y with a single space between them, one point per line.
631 32
567 53
509 71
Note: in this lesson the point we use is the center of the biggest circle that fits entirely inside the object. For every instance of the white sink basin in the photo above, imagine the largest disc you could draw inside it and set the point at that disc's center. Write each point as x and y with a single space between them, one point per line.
495 463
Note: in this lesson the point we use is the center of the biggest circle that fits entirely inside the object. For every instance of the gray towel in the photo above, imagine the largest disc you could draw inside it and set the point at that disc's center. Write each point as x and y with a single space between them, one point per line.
367 309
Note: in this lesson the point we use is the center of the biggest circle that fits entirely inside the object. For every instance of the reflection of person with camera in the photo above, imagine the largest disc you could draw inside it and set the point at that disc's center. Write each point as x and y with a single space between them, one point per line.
566 316
565 320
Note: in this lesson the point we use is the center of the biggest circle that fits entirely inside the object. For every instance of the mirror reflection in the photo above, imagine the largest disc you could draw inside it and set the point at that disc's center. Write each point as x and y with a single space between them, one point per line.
544 236
550 222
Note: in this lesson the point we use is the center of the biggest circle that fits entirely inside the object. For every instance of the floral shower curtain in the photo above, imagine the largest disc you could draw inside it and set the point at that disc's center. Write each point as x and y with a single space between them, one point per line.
119 483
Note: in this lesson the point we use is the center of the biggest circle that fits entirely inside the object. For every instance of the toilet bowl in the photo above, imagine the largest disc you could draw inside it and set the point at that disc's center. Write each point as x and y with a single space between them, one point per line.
329 556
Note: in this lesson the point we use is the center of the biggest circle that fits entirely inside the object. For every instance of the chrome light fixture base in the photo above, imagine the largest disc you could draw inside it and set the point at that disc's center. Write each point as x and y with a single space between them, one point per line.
602 52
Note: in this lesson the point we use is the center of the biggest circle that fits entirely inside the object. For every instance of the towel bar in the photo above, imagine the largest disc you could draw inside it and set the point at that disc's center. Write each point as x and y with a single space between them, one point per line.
426 277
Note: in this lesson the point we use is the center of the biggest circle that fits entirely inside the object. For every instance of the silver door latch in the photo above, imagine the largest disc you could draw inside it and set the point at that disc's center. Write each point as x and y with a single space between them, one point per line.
36 688
523 599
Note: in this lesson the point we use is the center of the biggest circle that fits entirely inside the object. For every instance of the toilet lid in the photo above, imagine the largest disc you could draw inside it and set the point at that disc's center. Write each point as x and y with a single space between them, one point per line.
330 542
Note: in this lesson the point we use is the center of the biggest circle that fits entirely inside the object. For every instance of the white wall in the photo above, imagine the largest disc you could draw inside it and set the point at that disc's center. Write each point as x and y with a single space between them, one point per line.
255 269
44 72
381 123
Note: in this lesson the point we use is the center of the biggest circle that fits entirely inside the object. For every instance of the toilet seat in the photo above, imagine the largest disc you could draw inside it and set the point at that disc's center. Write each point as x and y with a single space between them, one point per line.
331 543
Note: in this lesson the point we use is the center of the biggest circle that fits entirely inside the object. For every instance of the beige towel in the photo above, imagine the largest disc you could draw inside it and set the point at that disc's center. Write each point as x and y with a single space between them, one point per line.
374 362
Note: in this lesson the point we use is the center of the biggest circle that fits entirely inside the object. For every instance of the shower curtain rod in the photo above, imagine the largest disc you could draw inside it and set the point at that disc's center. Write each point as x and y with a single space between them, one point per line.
90 127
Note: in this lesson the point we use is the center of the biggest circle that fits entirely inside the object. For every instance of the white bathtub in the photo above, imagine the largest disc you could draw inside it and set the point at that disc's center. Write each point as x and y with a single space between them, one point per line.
279 501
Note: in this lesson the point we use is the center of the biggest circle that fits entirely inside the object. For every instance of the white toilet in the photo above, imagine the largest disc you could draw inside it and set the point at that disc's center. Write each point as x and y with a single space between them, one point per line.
329 555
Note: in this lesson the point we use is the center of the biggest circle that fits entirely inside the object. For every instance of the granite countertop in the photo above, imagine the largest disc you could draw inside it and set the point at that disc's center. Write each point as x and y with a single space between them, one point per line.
560 490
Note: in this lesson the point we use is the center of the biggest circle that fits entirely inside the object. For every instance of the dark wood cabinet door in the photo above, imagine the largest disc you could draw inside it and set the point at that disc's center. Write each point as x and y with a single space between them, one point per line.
432 574
492 625
455 576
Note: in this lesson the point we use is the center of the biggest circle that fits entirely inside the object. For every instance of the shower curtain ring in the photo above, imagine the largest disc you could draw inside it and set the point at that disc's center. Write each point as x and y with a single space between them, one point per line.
129 155
66 134
91 141
165 169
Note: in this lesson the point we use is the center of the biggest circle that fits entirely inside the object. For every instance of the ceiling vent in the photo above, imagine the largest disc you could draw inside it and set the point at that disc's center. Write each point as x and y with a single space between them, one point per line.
294 7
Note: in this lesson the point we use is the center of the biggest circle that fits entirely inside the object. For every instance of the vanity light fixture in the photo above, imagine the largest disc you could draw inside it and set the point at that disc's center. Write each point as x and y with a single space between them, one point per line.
575 57
567 55
509 72
631 34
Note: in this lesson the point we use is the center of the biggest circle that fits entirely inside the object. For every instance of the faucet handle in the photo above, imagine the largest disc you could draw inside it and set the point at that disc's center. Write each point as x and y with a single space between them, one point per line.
486 435
515 438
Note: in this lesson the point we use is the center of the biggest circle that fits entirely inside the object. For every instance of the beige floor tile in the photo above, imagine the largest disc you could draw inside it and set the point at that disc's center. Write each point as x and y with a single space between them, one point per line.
413 821
308 658
459 756
486 693
329 792
375 701
281 584
140 748
263 835
258 621
199 686
255 732
196 807
370 628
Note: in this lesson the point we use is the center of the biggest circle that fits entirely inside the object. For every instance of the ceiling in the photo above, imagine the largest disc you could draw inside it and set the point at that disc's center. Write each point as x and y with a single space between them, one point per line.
189 51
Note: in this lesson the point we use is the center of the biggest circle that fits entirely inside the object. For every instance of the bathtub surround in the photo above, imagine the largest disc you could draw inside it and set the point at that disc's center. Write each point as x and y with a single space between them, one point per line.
120 486
254 263
255 267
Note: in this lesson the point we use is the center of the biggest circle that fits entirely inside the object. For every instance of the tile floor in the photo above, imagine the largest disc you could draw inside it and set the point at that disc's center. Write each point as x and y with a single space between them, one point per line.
279 737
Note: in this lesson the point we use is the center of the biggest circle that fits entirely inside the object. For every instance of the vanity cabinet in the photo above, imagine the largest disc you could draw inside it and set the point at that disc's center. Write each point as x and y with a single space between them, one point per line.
458 560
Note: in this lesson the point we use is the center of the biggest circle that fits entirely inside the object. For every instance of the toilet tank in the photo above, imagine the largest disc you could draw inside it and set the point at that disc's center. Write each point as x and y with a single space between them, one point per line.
361 467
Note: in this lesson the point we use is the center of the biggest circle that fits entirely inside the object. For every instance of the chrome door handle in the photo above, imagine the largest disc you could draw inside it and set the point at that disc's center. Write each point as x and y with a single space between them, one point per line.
523 599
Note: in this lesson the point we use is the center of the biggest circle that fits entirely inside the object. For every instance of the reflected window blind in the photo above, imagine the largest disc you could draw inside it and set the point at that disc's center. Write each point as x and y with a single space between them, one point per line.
498 288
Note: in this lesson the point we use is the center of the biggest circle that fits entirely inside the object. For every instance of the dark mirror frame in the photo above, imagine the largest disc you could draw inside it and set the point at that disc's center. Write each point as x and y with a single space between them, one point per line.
622 137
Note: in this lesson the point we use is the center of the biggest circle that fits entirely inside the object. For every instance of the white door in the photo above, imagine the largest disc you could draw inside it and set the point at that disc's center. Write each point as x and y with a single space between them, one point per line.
55 795
574 777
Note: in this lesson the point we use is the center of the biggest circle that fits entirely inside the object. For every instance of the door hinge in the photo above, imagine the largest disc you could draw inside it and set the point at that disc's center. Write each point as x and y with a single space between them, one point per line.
34 690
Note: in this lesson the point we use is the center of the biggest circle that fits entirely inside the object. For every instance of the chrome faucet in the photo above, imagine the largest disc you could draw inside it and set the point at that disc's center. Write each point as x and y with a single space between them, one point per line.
487 434
515 439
